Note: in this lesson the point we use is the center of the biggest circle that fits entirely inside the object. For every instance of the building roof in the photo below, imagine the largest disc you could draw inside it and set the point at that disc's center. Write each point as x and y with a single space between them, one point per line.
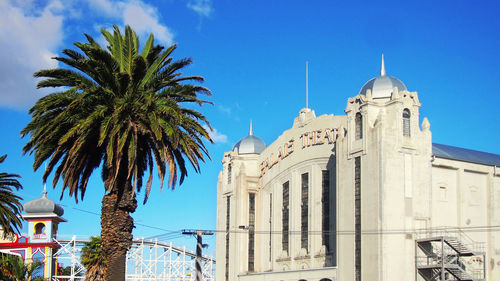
382 86
463 154
43 206
250 144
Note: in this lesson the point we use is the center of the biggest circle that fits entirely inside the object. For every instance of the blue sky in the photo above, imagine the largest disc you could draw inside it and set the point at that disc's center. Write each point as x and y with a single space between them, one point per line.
252 55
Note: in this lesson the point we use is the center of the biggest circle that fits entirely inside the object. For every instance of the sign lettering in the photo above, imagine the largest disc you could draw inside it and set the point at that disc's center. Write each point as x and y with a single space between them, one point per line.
312 138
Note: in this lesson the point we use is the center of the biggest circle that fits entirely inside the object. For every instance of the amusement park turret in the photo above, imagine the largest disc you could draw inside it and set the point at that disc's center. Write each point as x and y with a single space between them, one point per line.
43 216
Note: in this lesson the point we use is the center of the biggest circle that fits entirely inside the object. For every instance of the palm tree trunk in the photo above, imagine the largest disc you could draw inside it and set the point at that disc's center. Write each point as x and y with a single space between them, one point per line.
116 233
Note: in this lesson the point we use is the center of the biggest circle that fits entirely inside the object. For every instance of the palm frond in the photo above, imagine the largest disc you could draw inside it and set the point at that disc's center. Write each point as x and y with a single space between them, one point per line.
147 46
121 109
10 203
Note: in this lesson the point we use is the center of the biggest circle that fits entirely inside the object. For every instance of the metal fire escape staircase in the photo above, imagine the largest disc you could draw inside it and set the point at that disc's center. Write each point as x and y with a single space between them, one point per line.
444 257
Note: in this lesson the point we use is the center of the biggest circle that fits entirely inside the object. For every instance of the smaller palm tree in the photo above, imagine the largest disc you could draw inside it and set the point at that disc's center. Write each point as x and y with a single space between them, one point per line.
93 260
10 205
13 268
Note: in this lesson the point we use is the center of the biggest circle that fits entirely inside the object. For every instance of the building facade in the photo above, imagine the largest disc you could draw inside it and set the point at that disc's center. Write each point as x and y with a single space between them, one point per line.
361 196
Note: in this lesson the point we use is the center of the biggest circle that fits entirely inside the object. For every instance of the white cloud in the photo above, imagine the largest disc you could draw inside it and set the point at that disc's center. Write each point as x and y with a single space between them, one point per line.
201 7
143 18
215 135
31 35
224 109
27 43
106 7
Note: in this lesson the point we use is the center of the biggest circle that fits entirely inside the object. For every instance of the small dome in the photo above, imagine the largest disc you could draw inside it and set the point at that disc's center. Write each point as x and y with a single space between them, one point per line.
43 205
381 86
250 144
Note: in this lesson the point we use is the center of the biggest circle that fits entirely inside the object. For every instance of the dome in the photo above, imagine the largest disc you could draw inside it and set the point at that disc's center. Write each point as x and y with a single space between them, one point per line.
250 144
381 86
44 206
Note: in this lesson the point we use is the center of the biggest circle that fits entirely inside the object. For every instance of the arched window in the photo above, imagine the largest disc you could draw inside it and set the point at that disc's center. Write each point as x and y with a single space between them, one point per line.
358 126
38 272
40 228
325 279
406 122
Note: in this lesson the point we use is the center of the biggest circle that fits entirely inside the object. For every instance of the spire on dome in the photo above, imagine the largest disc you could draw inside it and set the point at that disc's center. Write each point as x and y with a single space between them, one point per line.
382 67
382 86
250 144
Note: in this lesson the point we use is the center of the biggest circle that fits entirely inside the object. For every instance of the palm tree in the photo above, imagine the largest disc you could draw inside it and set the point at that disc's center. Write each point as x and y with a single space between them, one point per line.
13 268
93 260
10 206
122 109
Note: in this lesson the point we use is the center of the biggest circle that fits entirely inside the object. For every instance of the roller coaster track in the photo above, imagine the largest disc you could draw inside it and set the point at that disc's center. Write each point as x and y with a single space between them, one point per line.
146 260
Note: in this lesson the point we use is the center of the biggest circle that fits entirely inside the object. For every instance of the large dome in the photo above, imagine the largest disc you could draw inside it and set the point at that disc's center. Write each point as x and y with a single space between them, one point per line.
382 86
250 144
43 206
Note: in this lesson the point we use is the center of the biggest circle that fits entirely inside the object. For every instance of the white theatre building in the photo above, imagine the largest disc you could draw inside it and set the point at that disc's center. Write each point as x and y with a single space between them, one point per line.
361 196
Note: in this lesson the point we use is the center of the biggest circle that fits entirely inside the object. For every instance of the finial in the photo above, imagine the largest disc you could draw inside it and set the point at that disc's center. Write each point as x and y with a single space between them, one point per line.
382 67
425 124
250 133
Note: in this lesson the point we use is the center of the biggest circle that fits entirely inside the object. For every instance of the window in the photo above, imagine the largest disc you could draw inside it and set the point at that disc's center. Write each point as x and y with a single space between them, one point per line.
228 209
251 231
325 209
40 228
229 173
357 218
443 193
304 211
40 231
285 217
406 122
358 126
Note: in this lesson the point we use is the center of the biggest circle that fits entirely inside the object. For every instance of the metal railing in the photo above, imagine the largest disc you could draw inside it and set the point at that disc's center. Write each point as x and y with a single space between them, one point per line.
449 250
452 232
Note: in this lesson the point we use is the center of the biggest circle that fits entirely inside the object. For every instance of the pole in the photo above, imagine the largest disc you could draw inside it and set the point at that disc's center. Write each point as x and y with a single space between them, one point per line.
442 258
307 84
199 240
199 249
